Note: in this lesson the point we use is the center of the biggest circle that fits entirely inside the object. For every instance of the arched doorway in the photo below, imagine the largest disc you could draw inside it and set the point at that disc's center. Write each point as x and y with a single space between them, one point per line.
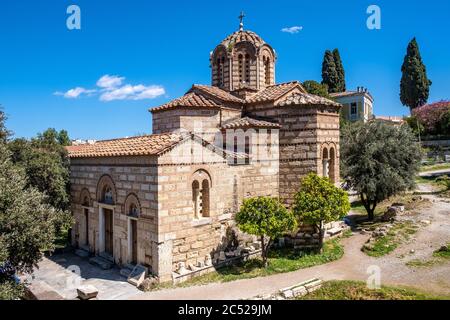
106 194
133 211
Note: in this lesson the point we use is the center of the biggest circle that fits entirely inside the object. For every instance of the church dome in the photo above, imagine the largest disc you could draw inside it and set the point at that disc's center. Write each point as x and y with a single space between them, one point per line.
243 60
242 36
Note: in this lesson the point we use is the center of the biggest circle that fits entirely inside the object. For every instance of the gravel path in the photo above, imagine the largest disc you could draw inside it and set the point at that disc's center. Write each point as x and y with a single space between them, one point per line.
353 266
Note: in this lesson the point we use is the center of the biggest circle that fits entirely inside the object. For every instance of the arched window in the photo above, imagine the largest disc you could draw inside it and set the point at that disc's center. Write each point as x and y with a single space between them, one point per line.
196 199
241 68
220 70
108 196
332 165
201 190
267 70
247 68
325 163
205 198
247 150
134 211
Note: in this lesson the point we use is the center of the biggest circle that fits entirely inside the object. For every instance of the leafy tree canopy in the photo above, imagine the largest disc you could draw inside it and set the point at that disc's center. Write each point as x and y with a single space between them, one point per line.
379 161
340 86
319 201
27 222
333 74
414 85
265 217
44 160
318 89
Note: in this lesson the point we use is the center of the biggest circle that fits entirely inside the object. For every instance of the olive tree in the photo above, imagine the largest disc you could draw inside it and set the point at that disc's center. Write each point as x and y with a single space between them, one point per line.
266 218
27 223
319 202
379 161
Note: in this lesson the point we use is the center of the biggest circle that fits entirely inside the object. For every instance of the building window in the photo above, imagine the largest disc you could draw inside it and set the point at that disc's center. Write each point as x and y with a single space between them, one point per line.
108 197
332 165
247 69
205 198
200 199
266 61
247 150
353 109
134 211
325 163
220 73
240 68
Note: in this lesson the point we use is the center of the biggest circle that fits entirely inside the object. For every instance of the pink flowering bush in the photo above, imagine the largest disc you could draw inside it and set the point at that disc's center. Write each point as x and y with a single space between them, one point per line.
434 117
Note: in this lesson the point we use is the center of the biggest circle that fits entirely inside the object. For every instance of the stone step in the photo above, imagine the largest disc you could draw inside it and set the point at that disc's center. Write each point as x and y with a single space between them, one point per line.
107 257
126 271
334 231
101 262
82 253
138 275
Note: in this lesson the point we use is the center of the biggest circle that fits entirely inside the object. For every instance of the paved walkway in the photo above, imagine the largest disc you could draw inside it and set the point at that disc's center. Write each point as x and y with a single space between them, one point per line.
63 273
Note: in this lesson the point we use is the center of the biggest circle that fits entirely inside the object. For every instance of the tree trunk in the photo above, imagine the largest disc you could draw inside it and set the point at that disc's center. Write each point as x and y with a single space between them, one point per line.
263 252
321 237
369 206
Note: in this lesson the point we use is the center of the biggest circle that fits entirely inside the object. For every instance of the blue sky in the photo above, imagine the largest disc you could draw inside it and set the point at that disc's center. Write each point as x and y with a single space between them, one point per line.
164 47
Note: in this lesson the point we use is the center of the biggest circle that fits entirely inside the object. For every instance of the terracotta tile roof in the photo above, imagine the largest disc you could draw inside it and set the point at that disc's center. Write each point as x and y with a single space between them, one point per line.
274 92
203 96
218 93
135 146
249 122
243 36
306 99
191 99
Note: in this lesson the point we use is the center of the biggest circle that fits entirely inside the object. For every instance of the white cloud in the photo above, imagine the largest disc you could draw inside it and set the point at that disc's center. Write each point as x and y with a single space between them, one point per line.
109 82
292 30
74 93
112 88
129 92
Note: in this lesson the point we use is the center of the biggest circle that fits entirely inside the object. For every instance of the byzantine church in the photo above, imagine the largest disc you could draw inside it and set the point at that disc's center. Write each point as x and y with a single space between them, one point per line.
166 201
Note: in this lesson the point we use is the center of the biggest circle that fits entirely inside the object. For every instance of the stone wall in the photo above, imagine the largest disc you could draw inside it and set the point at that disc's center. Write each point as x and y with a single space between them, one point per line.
197 241
130 176
304 130
204 122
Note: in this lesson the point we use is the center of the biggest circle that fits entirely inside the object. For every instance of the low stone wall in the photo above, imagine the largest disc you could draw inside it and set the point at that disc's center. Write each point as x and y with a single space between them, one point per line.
308 238
185 274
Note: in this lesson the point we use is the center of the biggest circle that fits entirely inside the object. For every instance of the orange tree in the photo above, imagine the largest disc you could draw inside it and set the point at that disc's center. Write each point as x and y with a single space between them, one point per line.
318 202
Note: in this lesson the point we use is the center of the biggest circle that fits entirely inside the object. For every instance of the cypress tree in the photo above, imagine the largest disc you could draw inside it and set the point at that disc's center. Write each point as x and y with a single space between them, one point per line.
414 85
329 73
341 87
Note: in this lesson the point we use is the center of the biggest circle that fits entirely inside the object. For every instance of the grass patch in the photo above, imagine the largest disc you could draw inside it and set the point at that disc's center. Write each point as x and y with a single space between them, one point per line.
443 253
434 167
280 261
417 263
62 239
357 290
398 234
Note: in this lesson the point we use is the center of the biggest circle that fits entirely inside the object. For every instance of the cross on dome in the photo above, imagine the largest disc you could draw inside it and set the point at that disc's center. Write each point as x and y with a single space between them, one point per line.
241 19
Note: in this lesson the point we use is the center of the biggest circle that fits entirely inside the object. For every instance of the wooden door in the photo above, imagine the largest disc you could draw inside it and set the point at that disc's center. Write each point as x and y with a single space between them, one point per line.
134 241
108 231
